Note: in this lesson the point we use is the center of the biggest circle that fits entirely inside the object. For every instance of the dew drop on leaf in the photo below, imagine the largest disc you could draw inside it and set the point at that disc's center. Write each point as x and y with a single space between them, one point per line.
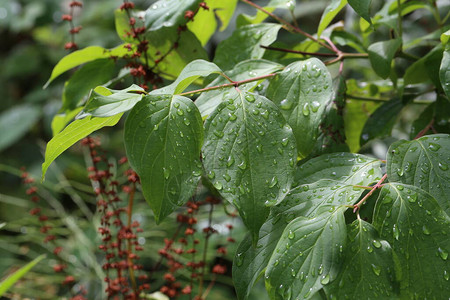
443 166
218 185
239 259
325 279
425 230
376 244
291 235
305 109
226 177
218 133
443 253
434 147
285 104
211 174
166 173
376 269
250 98
315 106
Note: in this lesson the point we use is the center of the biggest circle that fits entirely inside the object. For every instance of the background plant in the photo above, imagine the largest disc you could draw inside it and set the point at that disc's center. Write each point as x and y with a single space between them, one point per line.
272 124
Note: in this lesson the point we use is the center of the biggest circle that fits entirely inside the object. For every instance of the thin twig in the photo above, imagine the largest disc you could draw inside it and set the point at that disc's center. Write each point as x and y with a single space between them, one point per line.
357 206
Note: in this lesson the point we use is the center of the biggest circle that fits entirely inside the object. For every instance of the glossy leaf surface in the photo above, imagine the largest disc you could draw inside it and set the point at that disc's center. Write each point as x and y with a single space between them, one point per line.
168 13
163 136
337 169
417 229
245 44
307 256
381 55
74 132
302 91
329 13
424 163
249 155
444 71
208 101
362 8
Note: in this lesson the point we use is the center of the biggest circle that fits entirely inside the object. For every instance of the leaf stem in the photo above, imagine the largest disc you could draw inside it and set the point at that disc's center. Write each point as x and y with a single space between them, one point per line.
363 98
233 83
357 206
287 25
424 131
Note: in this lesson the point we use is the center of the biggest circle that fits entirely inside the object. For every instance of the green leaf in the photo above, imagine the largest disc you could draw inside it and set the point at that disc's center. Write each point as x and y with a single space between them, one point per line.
367 268
13 278
168 13
86 78
76 130
260 16
302 91
337 169
381 121
426 68
15 122
307 256
104 102
422 121
416 227
82 56
208 101
329 13
61 120
381 55
362 8
424 163
444 71
244 44
175 59
205 23
245 137
332 135
163 137
195 69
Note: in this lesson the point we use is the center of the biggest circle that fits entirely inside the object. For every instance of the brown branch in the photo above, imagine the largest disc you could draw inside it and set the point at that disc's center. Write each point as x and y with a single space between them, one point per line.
357 206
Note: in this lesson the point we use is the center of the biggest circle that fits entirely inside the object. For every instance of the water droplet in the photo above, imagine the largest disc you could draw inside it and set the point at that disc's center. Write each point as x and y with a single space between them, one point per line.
259 148
276 262
395 232
230 161
218 133
305 109
412 198
315 106
180 112
291 235
166 173
369 249
211 174
446 276
284 142
376 244
286 104
273 182
400 187
400 172
231 117
443 166
239 259
376 269
218 185
226 177
242 165
443 253
434 147
325 279
425 230
250 98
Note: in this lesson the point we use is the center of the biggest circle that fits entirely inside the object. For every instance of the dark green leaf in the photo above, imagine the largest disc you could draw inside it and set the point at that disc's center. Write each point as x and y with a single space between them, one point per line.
104 102
307 256
86 78
168 13
163 136
424 163
367 268
332 135
15 122
426 68
417 228
444 71
343 169
82 56
249 155
247 69
381 55
381 122
329 13
442 117
245 44
422 121
205 22
13 278
302 91
175 59
260 16
195 69
362 8
76 130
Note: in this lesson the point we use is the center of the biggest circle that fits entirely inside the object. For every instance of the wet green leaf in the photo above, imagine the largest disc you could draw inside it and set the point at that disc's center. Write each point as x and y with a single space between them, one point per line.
368 266
329 13
307 256
246 136
381 55
444 71
302 91
424 163
426 68
362 8
168 13
416 227
163 136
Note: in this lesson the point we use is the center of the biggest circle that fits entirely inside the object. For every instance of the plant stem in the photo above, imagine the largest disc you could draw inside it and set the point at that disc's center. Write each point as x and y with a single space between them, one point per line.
234 83
287 25
362 98
357 206
205 249
399 19
424 131
130 261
